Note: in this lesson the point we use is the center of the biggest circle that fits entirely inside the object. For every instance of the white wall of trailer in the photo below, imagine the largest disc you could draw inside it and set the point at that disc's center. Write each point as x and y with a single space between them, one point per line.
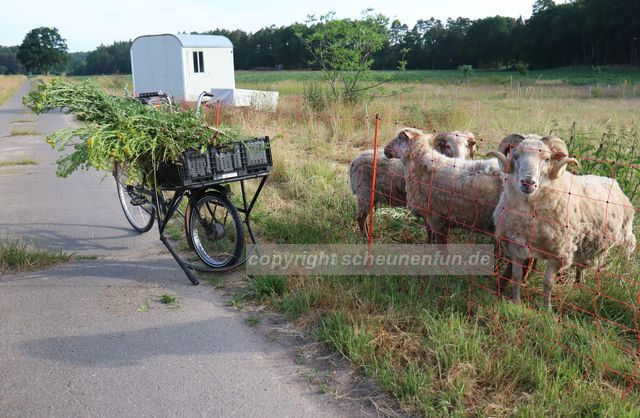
166 62
156 64
218 71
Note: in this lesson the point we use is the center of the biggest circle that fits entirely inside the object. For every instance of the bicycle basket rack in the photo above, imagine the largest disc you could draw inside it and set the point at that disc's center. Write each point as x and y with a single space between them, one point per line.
218 164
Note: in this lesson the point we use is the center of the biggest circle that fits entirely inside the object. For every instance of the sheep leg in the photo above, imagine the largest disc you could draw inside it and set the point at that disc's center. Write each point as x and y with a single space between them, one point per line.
429 232
362 213
527 267
442 239
516 278
439 232
361 224
578 275
504 278
552 268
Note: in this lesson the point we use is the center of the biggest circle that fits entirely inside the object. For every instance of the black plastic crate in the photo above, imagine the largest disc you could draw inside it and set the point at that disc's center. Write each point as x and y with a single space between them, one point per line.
226 159
227 163
258 152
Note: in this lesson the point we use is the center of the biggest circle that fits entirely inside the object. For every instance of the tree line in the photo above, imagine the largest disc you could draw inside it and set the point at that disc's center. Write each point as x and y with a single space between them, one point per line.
578 33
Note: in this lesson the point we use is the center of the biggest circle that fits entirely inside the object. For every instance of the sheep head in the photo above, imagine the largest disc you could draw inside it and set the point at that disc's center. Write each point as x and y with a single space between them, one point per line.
456 144
534 163
400 146
507 144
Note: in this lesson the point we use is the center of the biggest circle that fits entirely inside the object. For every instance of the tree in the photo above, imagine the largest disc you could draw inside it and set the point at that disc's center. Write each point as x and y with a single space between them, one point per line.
491 41
42 49
77 63
454 43
344 50
9 63
111 59
395 48
542 5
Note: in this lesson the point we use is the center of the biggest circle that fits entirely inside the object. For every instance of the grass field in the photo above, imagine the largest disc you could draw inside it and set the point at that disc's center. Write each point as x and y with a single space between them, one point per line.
8 86
447 346
622 80
571 76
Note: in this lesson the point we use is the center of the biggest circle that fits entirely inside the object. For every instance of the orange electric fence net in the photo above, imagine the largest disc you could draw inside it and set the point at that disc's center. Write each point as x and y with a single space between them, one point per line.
595 281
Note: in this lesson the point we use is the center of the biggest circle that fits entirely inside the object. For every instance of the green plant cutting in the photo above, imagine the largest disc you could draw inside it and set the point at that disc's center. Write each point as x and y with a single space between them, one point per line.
121 128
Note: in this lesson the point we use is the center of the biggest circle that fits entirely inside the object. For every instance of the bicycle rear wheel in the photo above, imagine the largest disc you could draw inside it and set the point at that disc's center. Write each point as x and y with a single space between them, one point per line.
215 230
137 209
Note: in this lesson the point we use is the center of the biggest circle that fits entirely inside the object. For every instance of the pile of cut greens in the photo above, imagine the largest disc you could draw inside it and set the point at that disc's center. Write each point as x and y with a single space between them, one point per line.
121 129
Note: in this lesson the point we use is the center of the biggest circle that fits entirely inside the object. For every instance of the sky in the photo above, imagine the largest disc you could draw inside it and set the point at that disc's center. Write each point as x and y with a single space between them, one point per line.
85 24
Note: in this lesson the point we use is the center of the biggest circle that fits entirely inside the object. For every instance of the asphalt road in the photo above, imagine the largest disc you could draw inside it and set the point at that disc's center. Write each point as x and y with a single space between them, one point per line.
72 339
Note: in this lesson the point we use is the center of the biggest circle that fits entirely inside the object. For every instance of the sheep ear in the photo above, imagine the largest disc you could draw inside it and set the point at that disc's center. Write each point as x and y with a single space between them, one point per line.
472 146
409 134
557 146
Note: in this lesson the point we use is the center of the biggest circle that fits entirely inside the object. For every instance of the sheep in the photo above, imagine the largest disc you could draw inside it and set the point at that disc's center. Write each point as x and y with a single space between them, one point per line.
446 191
389 187
549 213
390 183
456 144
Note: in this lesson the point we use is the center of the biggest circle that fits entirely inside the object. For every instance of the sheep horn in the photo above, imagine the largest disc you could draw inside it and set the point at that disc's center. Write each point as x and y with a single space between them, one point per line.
509 142
440 140
557 146
501 157
558 169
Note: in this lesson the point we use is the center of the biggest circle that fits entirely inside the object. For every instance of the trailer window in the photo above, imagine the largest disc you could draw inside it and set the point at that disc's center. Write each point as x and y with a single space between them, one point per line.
198 62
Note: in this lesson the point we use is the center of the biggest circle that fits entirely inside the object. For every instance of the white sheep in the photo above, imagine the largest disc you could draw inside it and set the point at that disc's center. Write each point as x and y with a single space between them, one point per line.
390 183
456 144
389 188
446 192
548 213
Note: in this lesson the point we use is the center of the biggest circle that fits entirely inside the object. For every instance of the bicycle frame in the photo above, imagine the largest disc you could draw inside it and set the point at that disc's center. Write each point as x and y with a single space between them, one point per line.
165 209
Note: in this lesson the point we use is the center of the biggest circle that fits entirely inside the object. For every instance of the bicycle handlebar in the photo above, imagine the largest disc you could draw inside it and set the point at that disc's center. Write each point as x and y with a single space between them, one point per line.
200 97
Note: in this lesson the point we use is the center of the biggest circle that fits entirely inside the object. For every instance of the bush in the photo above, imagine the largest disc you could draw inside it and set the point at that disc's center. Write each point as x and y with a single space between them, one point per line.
613 155
466 70
315 97
522 67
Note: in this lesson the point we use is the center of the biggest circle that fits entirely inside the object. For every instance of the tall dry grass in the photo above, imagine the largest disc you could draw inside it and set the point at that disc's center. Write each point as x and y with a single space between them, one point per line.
446 345
9 84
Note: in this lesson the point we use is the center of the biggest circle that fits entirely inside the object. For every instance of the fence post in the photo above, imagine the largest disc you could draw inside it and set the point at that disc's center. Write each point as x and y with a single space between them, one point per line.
218 113
373 180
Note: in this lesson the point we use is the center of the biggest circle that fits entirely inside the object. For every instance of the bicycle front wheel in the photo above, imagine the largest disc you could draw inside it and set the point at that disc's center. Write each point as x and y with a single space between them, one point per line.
215 230
136 207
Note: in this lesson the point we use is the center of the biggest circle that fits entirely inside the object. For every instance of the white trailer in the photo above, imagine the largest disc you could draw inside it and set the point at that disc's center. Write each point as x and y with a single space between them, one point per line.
182 65
186 65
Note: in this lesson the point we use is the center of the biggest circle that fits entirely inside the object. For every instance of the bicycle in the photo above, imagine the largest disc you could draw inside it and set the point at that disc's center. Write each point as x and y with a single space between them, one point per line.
212 223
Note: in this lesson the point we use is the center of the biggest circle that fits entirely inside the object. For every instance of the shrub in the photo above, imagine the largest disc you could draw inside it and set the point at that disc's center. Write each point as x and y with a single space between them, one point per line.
315 97
522 67
466 70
